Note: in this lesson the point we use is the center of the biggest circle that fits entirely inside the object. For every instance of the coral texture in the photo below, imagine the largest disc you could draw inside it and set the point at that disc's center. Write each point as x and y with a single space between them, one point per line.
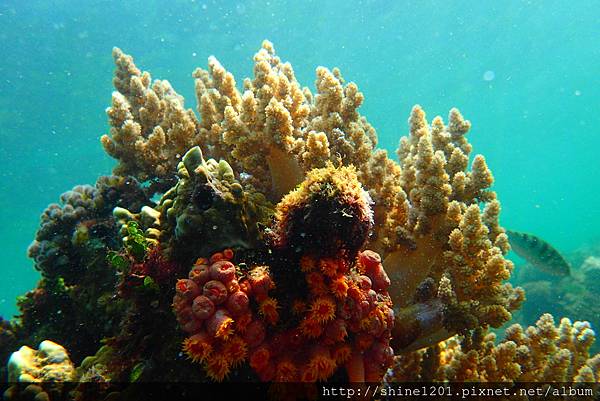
544 352
81 221
234 315
319 307
150 129
49 362
41 374
206 210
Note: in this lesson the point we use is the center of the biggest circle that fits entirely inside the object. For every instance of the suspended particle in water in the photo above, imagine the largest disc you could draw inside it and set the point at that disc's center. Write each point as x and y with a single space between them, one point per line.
489 75
577 92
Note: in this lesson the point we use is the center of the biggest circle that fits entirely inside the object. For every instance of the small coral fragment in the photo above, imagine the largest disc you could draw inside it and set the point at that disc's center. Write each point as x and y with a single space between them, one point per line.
49 363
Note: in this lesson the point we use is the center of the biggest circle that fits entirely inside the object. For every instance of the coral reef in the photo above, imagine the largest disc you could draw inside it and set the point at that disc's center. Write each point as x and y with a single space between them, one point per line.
269 240
426 215
543 352
441 234
275 130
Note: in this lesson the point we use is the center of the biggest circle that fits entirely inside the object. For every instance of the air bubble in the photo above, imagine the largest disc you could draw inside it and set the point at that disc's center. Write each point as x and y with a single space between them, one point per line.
489 75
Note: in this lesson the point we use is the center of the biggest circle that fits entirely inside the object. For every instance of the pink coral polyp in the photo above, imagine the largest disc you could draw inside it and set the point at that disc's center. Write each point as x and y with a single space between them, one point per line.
238 303
215 291
200 274
220 324
203 307
369 259
187 289
223 271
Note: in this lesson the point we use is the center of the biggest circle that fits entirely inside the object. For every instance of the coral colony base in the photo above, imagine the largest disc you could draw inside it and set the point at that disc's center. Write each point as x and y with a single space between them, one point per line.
282 246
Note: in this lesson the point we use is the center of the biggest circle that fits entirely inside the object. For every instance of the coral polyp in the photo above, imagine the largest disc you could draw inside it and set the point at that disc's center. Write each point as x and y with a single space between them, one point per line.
198 347
322 310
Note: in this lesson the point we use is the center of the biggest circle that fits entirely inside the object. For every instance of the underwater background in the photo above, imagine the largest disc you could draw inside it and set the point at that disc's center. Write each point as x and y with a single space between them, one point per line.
526 74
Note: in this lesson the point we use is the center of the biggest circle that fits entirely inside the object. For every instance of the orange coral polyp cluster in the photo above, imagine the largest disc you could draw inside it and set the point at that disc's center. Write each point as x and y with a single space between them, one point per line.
259 360
307 264
344 320
218 367
311 328
341 354
316 283
214 308
349 317
286 371
220 325
329 267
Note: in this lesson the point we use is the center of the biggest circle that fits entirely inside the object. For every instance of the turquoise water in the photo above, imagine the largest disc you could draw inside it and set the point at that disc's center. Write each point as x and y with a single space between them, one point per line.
525 74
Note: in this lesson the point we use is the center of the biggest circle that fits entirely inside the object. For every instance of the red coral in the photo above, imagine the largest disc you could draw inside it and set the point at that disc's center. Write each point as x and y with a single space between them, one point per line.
255 333
260 282
235 350
220 325
370 263
238 303
200 274
198 347
268 309
259 360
